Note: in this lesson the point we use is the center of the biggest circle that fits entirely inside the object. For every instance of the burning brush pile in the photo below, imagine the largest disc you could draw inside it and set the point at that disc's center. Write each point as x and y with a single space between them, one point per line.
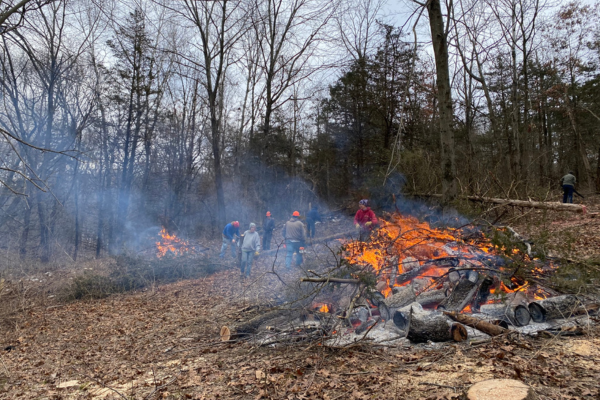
413 281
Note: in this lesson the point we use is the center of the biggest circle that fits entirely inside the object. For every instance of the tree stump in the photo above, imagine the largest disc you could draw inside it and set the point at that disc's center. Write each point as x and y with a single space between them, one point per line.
501 389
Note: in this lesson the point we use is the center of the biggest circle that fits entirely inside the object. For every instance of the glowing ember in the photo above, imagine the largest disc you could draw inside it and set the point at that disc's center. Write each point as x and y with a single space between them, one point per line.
171 243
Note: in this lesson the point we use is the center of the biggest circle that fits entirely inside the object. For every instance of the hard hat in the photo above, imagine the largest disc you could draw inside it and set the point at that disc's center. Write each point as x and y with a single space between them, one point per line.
236 224
296 214
268 213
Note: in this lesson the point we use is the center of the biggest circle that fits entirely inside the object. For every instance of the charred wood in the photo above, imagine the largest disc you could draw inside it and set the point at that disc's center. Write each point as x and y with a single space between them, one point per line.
462 294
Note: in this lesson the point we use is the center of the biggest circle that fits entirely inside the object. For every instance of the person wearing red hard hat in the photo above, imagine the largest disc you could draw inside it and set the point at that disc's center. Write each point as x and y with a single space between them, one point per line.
293 233
230 233
268 226
365 220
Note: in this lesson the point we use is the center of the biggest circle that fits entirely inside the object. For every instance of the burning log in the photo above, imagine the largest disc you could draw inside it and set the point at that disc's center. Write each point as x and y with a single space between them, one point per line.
554 308
463 292
483 293
401 296
432 298
479 324
416 271
424 326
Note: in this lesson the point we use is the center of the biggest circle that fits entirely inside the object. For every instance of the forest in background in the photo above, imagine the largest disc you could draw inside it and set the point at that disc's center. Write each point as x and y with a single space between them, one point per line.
119 117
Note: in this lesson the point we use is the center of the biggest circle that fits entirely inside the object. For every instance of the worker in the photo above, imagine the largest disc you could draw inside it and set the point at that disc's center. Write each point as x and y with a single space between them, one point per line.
364 220
230 233
268 226
312 218
293 233
568 184
250 248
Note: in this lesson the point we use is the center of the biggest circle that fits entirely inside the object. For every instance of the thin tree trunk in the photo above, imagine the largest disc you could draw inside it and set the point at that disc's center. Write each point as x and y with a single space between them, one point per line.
440 49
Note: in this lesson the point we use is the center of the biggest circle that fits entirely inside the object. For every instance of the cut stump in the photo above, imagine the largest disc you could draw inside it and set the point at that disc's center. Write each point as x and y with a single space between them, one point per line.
501 389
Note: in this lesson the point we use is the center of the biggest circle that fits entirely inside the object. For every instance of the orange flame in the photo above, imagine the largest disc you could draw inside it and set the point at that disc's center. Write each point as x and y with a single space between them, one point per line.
404 243
171 243
324 308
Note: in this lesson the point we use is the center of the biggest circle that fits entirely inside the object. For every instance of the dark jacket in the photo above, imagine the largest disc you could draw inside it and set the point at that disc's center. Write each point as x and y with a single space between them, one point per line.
268 224
313 215
294 230
230 231
364 216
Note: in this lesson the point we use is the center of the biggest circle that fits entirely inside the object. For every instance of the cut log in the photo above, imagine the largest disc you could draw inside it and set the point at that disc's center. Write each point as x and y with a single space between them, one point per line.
479 324
446 262
462 294
501 389
544 205
425 326
225 334
483 293
402 316
403 297
515 315
432 298
253 325
554 308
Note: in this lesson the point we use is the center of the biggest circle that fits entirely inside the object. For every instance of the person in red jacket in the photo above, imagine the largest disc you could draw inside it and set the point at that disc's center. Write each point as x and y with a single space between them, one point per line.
365 220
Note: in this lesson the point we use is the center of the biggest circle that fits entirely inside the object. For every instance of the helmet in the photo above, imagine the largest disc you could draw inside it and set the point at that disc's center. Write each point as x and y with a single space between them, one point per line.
296 214
236 224
268 213
364 202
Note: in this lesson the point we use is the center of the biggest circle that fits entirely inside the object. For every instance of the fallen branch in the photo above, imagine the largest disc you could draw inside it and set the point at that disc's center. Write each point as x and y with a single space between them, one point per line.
545 205
483 326
328 280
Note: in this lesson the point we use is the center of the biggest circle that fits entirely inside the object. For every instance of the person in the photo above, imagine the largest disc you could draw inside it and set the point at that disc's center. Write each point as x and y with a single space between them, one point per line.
293 233
230 233
364 220
568 184
250 248
268 226
312 218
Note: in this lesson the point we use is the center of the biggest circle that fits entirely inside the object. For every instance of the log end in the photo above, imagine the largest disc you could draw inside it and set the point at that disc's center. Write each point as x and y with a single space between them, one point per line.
458 332
501 389
225 334
522 316
537 312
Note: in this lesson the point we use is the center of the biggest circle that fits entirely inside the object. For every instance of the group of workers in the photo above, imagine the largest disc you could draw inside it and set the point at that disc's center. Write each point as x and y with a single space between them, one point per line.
248 245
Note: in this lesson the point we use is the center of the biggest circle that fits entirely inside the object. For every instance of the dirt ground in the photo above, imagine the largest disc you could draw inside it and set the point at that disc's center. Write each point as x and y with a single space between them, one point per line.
164 343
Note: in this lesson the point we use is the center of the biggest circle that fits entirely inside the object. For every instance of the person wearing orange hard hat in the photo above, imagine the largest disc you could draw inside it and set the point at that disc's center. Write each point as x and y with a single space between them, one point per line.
293 233
268 226
230 233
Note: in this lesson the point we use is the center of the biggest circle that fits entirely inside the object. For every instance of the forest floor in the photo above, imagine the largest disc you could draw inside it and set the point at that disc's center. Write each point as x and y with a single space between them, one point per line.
163 342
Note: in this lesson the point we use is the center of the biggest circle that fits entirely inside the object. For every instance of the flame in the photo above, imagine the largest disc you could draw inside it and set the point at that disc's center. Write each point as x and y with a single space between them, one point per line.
405 236
324 308
171 243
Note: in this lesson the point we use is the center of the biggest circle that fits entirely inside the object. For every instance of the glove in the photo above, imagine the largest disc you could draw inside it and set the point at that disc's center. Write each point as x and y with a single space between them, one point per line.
369 223
357 226
232 240
256 253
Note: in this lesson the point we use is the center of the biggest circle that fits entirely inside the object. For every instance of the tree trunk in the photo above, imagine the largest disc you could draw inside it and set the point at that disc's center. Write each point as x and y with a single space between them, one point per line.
440 49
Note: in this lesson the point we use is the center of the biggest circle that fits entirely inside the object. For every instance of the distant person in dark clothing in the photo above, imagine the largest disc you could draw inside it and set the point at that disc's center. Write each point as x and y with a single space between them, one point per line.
312 218
268 226
568 184
230 233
